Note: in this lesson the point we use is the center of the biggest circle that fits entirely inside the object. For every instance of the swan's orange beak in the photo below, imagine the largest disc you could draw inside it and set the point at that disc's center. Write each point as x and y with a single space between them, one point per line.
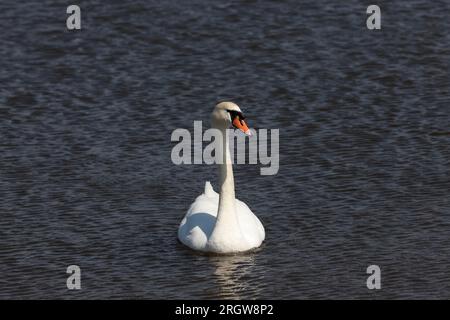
241 125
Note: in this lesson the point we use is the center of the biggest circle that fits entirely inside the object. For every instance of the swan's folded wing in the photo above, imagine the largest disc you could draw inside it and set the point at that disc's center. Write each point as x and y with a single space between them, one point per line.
198 223
209 191
251 226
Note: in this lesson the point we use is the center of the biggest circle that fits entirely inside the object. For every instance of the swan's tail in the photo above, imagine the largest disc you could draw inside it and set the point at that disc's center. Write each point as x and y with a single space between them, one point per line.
209 191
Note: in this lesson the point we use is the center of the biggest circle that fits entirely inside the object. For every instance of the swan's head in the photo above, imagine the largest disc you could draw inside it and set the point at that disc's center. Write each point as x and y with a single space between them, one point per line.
228 114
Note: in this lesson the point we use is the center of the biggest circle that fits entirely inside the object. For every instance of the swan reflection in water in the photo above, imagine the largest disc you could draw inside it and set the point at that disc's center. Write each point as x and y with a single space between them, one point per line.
233 275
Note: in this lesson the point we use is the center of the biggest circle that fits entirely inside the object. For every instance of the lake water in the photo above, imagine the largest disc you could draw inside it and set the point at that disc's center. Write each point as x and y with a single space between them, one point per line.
86 176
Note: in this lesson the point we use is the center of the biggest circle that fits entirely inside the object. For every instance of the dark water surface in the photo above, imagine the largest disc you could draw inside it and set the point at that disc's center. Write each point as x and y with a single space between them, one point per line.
86 117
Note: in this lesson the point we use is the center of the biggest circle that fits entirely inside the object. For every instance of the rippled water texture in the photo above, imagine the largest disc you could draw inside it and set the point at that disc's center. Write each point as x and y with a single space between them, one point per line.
85 124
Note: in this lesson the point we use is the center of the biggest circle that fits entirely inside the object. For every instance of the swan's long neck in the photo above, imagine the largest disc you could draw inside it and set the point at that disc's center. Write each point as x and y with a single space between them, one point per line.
226 216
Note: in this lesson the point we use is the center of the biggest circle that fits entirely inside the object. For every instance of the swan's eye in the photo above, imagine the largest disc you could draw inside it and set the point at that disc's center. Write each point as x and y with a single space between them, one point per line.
235 114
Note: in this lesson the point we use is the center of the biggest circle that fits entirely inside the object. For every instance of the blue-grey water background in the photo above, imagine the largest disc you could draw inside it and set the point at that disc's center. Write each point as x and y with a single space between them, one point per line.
86 176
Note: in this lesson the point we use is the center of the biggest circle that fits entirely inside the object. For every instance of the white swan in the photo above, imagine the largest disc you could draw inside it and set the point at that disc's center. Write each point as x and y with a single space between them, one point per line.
220 223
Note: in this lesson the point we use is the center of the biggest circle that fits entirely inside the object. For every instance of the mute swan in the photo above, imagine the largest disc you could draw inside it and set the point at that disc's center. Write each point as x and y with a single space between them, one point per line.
220 223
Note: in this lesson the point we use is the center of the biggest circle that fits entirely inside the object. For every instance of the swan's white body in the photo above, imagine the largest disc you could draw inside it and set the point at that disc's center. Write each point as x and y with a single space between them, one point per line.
200 221
221 223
